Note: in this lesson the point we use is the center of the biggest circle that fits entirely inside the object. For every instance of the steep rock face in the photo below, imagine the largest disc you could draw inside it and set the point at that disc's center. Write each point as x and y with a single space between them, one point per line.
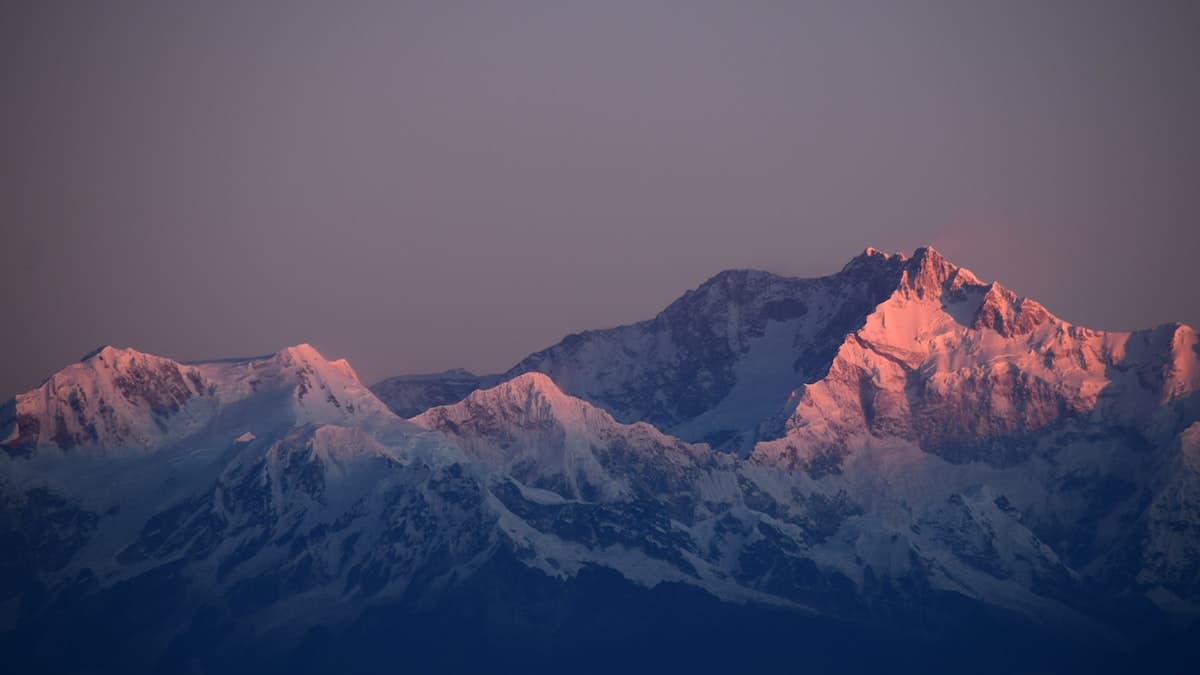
717 365
973 373
111 398
1001 311
1092 422
1159 546
917 349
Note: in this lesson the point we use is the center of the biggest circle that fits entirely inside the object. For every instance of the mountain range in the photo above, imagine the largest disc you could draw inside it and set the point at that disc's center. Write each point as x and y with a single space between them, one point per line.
768 475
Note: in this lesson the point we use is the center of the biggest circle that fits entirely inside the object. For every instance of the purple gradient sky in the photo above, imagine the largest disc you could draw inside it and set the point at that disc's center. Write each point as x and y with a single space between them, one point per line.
423 185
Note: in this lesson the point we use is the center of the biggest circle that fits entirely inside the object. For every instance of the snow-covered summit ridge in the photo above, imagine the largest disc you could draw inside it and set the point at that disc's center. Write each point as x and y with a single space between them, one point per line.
872 255
533 400
724 363
121 398
529 428
928 275
958 366
527 401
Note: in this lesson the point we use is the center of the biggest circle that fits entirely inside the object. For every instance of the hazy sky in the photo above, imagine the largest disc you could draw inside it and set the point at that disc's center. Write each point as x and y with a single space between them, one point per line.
421 185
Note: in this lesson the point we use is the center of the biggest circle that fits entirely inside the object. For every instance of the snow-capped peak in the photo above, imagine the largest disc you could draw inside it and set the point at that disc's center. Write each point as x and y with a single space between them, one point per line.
528 427
951 364
306 356
113 397
530 400
872 256
1002 311
124 399
302 354
928 272
530 386
102 351
115 357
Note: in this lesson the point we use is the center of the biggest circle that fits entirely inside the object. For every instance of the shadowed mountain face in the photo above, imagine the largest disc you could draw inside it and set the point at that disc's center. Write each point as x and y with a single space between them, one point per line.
768 474
718 364
408 395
